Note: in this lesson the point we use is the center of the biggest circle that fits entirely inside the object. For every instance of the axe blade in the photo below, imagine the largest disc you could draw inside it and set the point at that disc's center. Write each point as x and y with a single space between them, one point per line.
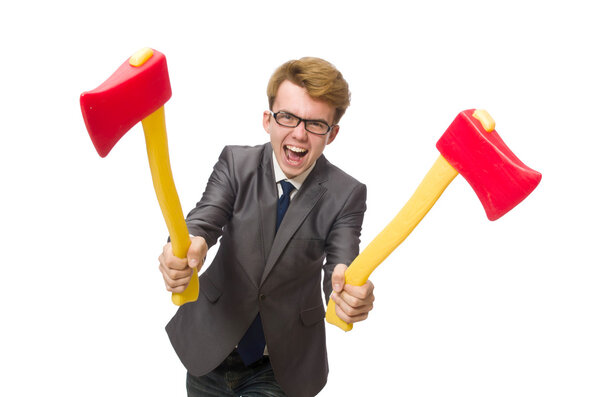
131 94
499 178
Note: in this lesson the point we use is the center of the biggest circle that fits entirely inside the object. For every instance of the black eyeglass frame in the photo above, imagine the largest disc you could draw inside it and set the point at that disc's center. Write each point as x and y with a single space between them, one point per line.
300 120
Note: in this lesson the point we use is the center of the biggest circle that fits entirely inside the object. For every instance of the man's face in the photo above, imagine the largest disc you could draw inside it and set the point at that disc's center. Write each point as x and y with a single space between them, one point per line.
295 148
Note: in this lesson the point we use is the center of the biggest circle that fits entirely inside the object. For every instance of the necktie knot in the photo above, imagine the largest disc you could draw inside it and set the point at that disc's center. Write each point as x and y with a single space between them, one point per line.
286 187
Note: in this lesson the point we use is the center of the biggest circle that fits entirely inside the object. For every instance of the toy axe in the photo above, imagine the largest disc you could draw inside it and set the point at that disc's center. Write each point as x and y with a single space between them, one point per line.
472 147
137 92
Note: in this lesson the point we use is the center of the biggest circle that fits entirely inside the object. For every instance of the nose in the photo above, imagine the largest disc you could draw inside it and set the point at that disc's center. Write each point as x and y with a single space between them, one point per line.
299 132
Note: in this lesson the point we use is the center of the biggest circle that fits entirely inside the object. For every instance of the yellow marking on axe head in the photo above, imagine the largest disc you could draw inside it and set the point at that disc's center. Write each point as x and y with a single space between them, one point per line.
486 120
140 57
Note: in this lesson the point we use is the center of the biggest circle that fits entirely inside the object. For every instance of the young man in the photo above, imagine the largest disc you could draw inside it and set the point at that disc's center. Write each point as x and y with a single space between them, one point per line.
284 214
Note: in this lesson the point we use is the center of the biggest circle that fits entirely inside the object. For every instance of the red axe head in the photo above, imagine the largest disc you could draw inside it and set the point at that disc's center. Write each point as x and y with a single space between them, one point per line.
131 94
499 178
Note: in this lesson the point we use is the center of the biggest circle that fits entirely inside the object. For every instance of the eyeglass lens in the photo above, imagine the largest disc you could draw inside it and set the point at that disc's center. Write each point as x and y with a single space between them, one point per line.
289 120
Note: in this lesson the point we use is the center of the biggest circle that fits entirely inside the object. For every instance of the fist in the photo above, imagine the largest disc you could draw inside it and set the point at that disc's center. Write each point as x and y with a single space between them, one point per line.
177 272
352 303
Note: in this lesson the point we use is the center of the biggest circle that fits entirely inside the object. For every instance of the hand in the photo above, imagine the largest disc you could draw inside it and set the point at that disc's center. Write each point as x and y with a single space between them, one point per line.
352 303
177 272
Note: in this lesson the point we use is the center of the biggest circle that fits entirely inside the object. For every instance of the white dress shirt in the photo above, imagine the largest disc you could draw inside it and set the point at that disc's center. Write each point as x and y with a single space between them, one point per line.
296 181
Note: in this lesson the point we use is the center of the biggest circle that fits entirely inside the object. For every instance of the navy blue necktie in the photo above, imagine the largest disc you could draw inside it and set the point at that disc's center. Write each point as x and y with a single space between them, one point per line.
252 345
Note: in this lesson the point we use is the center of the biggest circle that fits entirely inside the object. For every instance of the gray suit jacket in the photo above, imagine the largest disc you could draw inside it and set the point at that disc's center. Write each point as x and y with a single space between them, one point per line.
256 269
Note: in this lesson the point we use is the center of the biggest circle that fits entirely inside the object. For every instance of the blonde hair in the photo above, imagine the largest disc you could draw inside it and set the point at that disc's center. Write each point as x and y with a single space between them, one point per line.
320 78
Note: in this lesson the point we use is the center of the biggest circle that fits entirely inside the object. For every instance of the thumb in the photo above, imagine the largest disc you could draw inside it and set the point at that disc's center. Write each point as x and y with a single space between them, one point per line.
196 252
338 279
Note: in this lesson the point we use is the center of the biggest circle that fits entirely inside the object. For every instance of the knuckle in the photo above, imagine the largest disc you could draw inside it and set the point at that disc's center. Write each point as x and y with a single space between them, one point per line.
353 312
341 314
170 283
172 274
354 302
173 264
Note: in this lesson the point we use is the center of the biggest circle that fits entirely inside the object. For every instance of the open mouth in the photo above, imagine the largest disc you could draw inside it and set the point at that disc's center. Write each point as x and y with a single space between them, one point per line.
294 154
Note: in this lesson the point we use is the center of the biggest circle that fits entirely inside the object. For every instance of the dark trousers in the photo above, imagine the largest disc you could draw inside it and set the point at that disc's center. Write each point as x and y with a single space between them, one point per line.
233 378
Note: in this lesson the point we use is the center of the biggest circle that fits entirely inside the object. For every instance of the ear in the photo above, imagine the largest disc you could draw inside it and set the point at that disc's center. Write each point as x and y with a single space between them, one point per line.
266 120
334 131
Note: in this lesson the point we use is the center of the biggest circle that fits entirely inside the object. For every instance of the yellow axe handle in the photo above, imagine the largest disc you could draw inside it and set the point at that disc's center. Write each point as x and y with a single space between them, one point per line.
155 131
430 189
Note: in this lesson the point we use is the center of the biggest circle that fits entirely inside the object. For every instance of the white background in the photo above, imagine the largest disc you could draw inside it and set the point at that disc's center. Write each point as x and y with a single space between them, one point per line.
465 307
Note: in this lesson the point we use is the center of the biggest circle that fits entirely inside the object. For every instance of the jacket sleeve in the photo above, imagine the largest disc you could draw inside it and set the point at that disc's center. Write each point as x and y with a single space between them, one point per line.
342 244
214 209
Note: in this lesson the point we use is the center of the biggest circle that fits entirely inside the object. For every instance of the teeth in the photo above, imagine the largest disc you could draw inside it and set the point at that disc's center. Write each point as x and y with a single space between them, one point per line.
296 149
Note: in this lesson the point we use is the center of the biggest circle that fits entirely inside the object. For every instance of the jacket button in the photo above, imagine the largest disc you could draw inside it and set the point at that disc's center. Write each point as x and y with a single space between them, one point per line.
262 297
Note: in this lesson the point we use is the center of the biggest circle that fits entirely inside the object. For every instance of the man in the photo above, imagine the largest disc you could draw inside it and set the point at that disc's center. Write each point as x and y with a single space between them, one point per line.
281 211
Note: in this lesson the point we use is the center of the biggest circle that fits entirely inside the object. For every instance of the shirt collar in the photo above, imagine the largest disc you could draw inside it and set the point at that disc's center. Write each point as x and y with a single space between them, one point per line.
297 181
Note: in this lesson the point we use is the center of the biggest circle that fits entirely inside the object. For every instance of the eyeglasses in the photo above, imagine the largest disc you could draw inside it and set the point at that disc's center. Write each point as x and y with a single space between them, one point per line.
317 127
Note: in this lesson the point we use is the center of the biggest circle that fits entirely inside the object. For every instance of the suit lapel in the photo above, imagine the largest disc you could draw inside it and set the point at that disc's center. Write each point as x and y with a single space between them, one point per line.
311 191
267 191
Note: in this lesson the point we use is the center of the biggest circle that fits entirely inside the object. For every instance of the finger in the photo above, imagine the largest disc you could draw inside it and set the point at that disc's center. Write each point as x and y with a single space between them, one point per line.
197 252
175 263
172 272
175 274
356 302
349 317
167 249
175 284
178 290
351 306
171 261
338 278
363 292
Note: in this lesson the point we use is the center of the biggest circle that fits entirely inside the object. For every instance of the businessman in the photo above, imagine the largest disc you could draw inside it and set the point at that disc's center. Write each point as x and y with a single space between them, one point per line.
283 215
